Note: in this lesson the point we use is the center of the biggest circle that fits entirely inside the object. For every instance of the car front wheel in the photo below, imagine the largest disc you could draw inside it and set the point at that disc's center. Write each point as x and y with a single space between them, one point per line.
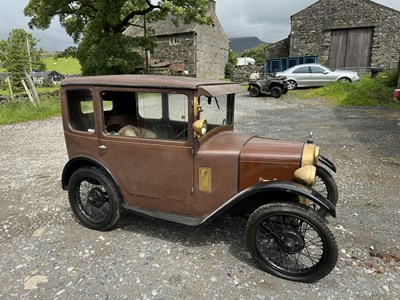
344 79
94 198
292 84
291 241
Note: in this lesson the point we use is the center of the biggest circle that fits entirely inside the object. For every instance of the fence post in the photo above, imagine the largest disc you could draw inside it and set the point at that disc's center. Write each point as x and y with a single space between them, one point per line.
28 92
9 86
32 88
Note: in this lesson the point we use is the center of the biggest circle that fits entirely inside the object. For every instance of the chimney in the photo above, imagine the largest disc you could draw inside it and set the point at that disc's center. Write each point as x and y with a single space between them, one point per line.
211 6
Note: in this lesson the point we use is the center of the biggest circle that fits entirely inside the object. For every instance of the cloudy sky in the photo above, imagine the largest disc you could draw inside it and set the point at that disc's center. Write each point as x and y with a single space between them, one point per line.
269 20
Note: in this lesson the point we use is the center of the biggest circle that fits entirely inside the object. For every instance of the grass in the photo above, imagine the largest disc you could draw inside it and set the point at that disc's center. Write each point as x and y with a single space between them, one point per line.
66 65
22 111
366 92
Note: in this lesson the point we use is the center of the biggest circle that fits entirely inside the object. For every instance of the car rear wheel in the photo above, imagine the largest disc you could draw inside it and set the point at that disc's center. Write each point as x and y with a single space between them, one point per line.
291 241
276 92
94 198
292 84
254 91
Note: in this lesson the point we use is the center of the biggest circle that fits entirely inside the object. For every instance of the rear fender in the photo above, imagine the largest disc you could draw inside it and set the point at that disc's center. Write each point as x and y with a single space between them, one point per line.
79 162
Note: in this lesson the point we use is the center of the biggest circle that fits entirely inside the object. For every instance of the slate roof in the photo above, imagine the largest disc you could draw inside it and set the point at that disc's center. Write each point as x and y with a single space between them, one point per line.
168 26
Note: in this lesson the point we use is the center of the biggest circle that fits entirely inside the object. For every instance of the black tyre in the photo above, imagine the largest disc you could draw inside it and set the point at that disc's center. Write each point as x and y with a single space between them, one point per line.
326 186
254 91
94 198
292 85
291 241
344 79
276 92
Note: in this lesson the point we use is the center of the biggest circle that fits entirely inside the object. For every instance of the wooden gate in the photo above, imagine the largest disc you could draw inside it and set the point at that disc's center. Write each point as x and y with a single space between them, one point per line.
351 48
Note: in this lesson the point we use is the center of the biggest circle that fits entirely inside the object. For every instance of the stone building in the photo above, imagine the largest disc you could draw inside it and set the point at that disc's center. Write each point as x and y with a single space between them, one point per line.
191 49
351 34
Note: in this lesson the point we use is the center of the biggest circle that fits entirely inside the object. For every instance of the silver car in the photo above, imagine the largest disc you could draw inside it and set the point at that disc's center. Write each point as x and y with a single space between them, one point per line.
308 75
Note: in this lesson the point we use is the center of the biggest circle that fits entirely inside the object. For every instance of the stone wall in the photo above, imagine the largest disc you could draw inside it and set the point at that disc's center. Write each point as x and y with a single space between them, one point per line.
240 74
212 49
311 29
279 49
177 49
212 53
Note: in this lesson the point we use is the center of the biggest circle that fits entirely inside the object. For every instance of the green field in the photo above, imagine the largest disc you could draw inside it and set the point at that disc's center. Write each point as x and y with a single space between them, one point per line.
65 65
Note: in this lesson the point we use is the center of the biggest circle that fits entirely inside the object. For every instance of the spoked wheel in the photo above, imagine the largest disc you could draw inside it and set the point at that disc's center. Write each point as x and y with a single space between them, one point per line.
291 241
94 198
326 186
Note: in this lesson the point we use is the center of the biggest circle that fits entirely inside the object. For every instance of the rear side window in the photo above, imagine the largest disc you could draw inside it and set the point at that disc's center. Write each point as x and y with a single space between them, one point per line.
80 110
301 70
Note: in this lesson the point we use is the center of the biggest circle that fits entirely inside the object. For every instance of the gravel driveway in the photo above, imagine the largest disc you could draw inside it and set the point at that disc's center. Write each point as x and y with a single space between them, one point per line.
46 254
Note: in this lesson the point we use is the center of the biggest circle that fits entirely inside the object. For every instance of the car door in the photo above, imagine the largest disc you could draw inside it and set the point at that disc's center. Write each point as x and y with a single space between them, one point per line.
145 145
302 76
320 76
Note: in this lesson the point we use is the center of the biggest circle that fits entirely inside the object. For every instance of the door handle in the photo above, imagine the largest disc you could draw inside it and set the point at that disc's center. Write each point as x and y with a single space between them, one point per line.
102 147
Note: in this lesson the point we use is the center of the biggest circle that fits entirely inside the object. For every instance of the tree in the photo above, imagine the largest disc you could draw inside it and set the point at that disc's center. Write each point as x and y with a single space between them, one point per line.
257 53
232 61
98 26
19 54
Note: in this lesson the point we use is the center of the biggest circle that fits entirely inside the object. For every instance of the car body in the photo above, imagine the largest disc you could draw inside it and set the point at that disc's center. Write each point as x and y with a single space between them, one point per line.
165 147
314 75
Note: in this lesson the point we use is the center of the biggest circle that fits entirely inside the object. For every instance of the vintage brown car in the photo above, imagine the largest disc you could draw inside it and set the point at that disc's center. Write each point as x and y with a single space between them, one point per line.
165 147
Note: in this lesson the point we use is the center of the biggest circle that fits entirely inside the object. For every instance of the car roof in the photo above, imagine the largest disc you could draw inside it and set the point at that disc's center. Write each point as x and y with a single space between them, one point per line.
208 86
307 65
303 65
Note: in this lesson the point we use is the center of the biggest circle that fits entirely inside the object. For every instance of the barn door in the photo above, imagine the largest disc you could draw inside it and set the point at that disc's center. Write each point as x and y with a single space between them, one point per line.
350 48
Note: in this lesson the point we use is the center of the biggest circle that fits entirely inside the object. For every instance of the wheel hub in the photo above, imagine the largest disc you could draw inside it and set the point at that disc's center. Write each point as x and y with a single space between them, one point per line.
292 242
96 197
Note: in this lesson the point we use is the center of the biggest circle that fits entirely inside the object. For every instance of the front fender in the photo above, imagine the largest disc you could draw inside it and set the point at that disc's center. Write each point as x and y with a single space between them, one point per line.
276 186
327 162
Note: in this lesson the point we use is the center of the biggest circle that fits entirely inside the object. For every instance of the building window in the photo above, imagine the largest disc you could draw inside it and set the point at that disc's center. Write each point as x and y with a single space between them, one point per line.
174 41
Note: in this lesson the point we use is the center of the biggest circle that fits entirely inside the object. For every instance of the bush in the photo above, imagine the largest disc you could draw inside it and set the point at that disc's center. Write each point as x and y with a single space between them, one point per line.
366 92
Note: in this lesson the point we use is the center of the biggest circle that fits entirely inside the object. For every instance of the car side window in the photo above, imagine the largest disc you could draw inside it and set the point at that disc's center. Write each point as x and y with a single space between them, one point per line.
316 69
165 114
301 70
80 110
145 115
217 111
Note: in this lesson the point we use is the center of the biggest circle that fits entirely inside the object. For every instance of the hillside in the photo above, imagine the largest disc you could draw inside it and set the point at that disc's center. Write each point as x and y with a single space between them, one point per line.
238 45
62 65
